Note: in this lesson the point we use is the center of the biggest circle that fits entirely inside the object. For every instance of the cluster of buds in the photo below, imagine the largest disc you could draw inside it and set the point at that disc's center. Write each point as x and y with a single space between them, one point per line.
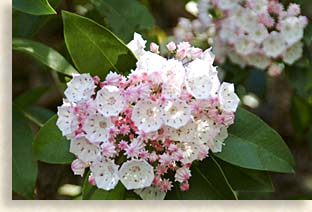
146 129
258 33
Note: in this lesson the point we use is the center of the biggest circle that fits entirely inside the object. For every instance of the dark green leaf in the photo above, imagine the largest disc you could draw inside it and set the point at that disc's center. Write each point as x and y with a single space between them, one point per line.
34 7
38 115
30 97
24 168
26 25
246 180
301 114
256 82
44 54
207 182
253 144
122 19
90 192
93 48
50 146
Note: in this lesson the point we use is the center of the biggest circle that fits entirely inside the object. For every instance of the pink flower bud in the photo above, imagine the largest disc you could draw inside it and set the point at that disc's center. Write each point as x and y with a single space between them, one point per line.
171 46
154 48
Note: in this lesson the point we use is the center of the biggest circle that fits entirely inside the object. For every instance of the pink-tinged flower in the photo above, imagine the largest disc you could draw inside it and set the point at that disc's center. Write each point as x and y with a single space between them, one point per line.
134 148
97 128
173 148
165 159
144 154
124 129
228 99
182 174
165 185
153 157
122 144
276 69
136 174
80 88
109 101
84 150
184 186
91 180
105 173
154 48
171 46
67 120
113 131
78 167
161 170
108 149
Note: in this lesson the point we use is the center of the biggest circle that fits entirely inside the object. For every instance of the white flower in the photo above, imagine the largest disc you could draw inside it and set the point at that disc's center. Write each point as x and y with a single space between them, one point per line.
150 193
228 99
206 131
227 4
80 88
244 45
274 45
67 120
105 173
78 167
258 33
136 174
293 53
201 79
108 149
109 101
182 174
150 62
190 152
84 150
147 116
183 134
176 113
97 127
173 72
217 144
258 60
291 30
137 45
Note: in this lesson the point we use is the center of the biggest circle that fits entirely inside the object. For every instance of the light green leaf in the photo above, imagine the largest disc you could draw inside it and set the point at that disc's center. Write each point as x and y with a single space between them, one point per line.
253 144
121 18
93 48
24 168
207 182
90 192
45 55
50 146
34 7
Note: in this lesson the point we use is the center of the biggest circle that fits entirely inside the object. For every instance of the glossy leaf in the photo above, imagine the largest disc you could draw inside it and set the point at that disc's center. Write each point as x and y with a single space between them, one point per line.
207 182
90 192
93 48
45 55
121 18
34 7
253 144
50 146
38 115
246 180
24 167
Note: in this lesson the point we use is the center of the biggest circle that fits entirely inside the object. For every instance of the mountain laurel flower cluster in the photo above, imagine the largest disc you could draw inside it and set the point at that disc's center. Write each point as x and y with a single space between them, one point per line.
146 129
257 33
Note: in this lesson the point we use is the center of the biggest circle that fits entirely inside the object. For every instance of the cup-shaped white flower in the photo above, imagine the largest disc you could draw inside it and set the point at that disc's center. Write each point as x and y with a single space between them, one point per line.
80 88
291 30
190 152
228 99
274 45
96 127
150 193
293 53
176 113
105 173
136 174
109 101
216 145
84 150
147 116
201 79
67 120
137 45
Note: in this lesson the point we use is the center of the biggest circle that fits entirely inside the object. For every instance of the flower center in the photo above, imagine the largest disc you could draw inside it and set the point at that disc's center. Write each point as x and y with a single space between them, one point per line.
103 124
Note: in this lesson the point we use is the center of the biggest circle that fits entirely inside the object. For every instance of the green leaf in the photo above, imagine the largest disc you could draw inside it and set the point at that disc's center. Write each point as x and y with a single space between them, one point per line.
24 168
34 7
50 146
246 180
207 182
38 115
26 25
253 144
90 192
93 48
45 55
121 18
30 97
